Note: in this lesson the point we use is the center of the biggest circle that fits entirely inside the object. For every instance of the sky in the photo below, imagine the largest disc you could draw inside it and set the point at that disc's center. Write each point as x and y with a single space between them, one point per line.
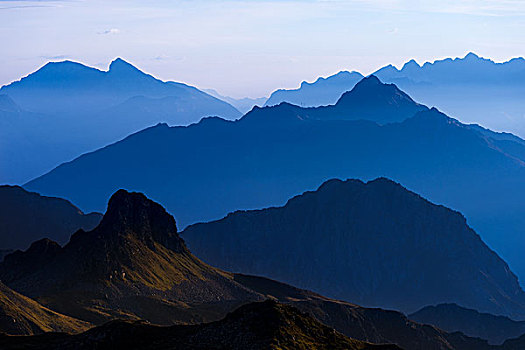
249 48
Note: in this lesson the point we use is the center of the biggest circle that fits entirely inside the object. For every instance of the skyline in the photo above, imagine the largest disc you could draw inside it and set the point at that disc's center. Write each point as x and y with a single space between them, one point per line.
251 48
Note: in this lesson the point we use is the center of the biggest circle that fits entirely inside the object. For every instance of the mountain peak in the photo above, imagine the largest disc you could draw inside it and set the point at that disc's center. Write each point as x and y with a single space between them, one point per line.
119 65
411 64
471 56
133 213
370 80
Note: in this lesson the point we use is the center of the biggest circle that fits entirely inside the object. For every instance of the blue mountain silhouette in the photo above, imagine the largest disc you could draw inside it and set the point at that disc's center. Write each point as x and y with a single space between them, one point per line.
206 170
471 89
66 109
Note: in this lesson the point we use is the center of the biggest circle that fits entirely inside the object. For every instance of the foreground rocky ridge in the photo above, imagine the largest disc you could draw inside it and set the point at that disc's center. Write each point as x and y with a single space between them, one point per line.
133 265
265 325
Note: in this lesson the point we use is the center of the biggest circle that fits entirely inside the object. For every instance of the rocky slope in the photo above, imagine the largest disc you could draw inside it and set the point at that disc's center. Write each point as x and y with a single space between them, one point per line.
23 316
374 244
27 216
265 325
132 265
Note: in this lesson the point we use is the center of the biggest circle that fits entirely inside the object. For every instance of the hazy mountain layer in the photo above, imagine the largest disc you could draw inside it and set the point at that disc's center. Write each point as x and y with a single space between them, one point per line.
204 171
322 92
65 109
471 89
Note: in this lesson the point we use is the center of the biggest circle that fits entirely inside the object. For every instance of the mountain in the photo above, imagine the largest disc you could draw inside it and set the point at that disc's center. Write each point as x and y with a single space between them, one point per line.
65 109
472 89
133 265
20 315
27 216
375 244
66 87
454 318
243 105
322 92
371 325
204 171
265 325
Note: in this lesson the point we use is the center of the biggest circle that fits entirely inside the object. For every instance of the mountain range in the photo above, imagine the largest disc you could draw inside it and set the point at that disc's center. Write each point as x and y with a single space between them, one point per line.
206 170
135 252
471 89
375 244
28 216
65 109
133 265
243 105
265 325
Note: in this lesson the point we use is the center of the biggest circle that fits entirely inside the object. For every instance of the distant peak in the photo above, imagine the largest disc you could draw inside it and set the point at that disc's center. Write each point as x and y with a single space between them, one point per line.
471 56
411 64
133 213
371 79
120 65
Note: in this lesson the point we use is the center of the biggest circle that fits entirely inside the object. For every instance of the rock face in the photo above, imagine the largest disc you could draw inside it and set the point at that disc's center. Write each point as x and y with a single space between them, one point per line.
265 325
374 244
454 318
27 216
207 170
20 315
132 265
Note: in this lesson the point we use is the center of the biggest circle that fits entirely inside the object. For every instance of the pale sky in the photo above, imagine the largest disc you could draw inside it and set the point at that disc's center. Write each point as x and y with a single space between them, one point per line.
251 47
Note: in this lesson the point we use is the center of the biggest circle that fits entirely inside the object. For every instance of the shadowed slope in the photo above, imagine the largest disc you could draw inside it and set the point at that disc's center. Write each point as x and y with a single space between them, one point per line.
265 325
454 318
27 216
375 244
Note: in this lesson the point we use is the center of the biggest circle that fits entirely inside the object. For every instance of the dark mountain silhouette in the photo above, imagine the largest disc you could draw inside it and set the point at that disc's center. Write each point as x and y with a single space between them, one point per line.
204 171
124 267
243 105
374 244
472 89
20 315
27 216
66 109
264 325
322 92
454 318
366 324
132 265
